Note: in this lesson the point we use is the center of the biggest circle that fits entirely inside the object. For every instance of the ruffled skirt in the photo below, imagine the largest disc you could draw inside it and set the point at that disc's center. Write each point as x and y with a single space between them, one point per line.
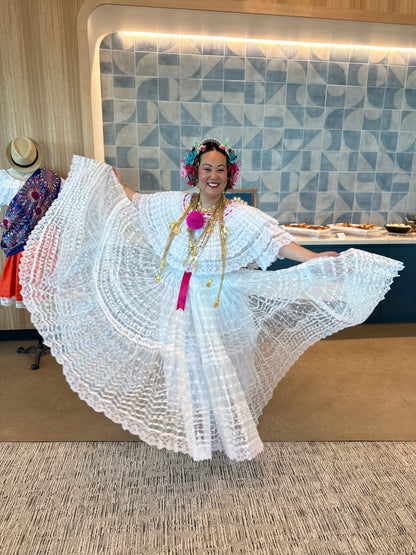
10 288
196 380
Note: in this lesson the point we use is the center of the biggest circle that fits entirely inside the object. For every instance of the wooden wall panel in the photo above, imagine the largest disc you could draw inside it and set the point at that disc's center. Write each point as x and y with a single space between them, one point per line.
39 90
379 11
39 70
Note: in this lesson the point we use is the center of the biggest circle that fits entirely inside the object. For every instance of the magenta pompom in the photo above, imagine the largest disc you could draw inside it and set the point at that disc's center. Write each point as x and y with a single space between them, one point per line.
195 219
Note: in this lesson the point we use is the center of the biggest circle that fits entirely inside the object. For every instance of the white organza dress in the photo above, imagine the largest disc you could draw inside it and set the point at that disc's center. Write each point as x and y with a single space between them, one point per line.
196 380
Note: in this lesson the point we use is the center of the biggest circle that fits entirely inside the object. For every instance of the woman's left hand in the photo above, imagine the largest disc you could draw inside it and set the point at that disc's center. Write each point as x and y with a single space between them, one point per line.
326 253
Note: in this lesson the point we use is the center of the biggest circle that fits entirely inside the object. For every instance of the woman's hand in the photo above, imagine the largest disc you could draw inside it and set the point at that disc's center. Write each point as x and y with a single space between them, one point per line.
129 192
326 253
117 174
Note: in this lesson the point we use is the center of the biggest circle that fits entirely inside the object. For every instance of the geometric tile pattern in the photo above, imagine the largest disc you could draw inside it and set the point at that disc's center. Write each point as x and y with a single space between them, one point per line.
324 133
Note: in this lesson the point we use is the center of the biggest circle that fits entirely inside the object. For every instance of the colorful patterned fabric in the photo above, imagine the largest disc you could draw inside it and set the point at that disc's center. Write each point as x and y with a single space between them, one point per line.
27 208
10 288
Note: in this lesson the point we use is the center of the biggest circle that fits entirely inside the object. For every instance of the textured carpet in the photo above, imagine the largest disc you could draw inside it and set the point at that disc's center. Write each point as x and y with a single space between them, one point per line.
126 498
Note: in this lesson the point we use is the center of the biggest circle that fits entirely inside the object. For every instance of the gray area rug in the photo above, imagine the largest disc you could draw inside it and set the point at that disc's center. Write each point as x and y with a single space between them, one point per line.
126 498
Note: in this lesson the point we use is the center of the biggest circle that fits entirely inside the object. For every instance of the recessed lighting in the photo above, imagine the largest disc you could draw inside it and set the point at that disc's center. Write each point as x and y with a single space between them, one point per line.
267 41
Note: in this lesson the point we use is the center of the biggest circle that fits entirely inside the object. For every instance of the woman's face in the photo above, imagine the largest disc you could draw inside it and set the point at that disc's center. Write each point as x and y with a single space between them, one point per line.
212 177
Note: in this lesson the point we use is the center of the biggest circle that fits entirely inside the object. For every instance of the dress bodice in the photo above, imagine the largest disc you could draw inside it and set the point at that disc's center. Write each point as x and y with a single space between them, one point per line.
252 236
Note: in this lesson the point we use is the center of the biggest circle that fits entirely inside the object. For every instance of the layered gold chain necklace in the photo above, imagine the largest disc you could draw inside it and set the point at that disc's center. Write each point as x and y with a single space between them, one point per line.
196 246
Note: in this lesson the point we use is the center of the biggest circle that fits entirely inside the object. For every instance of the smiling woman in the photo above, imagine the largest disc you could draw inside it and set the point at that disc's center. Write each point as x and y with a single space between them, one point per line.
196 342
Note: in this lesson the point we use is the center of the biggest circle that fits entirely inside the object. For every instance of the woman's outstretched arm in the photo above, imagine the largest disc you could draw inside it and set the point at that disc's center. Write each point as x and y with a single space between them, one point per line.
293 251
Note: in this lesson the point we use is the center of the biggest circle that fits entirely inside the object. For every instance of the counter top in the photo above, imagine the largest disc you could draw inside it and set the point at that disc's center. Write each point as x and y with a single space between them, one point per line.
380 238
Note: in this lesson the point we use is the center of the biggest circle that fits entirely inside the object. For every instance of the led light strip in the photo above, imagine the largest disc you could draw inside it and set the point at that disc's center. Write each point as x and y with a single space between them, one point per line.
266 41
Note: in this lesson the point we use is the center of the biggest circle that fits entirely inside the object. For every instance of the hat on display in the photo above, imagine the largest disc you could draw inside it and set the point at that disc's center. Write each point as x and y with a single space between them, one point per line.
24 154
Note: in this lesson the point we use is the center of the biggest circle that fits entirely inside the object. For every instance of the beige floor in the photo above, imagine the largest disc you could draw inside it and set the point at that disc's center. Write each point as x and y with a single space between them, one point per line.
360 384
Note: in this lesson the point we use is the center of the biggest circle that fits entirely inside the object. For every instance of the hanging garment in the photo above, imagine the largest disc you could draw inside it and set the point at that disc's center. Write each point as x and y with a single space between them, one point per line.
9 187
193 380
28 206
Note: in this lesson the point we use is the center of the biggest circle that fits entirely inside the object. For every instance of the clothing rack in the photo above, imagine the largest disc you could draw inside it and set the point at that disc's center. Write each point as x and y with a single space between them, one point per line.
39 350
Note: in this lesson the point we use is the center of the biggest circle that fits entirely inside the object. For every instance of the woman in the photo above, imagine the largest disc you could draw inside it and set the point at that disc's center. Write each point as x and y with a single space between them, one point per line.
150 307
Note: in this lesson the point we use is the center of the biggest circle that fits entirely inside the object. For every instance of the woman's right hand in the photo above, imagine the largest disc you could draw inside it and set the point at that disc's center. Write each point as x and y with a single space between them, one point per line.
129 192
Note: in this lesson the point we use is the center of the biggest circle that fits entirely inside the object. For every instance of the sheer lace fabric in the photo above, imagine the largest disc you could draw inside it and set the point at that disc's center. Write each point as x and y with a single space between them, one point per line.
196 380
9 186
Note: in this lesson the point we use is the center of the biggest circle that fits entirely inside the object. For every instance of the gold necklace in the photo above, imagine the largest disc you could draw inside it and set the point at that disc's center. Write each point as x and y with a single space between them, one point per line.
195 247
205 210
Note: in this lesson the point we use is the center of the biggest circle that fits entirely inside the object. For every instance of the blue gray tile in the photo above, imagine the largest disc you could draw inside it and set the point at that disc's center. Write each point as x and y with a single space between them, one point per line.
148 158
275 93
143 44
123 63
191 66
169 113
126 157
169 44
147 112
384 181
377 75
148 135
317 73
337 73
297 71
146 89
108 110
255 69
388 140
125 111
273 116
375 97
190 113
234 92
169 136
146 64
234 69
170 158
315 95
396 76
149 180
410 99
334 118
351 139
359 55
169 65
357 74
276 71
212 90
168 88
325 133
213 47
212 67
393 99
190 90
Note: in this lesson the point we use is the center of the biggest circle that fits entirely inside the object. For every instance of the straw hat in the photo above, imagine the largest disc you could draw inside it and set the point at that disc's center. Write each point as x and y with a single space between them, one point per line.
24 154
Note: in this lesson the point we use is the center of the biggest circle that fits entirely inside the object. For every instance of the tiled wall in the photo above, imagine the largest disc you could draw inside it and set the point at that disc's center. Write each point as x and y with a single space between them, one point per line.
325 133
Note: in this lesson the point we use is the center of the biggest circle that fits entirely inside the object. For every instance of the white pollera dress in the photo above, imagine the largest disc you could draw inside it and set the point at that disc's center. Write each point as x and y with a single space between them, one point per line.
193 380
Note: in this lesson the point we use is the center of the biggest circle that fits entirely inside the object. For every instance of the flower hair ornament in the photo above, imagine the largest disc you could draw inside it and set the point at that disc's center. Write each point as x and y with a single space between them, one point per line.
190 162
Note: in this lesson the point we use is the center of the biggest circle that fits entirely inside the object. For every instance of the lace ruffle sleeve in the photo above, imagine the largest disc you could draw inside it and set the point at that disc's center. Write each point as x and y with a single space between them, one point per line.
255 238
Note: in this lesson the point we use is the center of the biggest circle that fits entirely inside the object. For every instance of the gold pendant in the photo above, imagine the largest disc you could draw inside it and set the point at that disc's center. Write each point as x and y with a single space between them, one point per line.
174 227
